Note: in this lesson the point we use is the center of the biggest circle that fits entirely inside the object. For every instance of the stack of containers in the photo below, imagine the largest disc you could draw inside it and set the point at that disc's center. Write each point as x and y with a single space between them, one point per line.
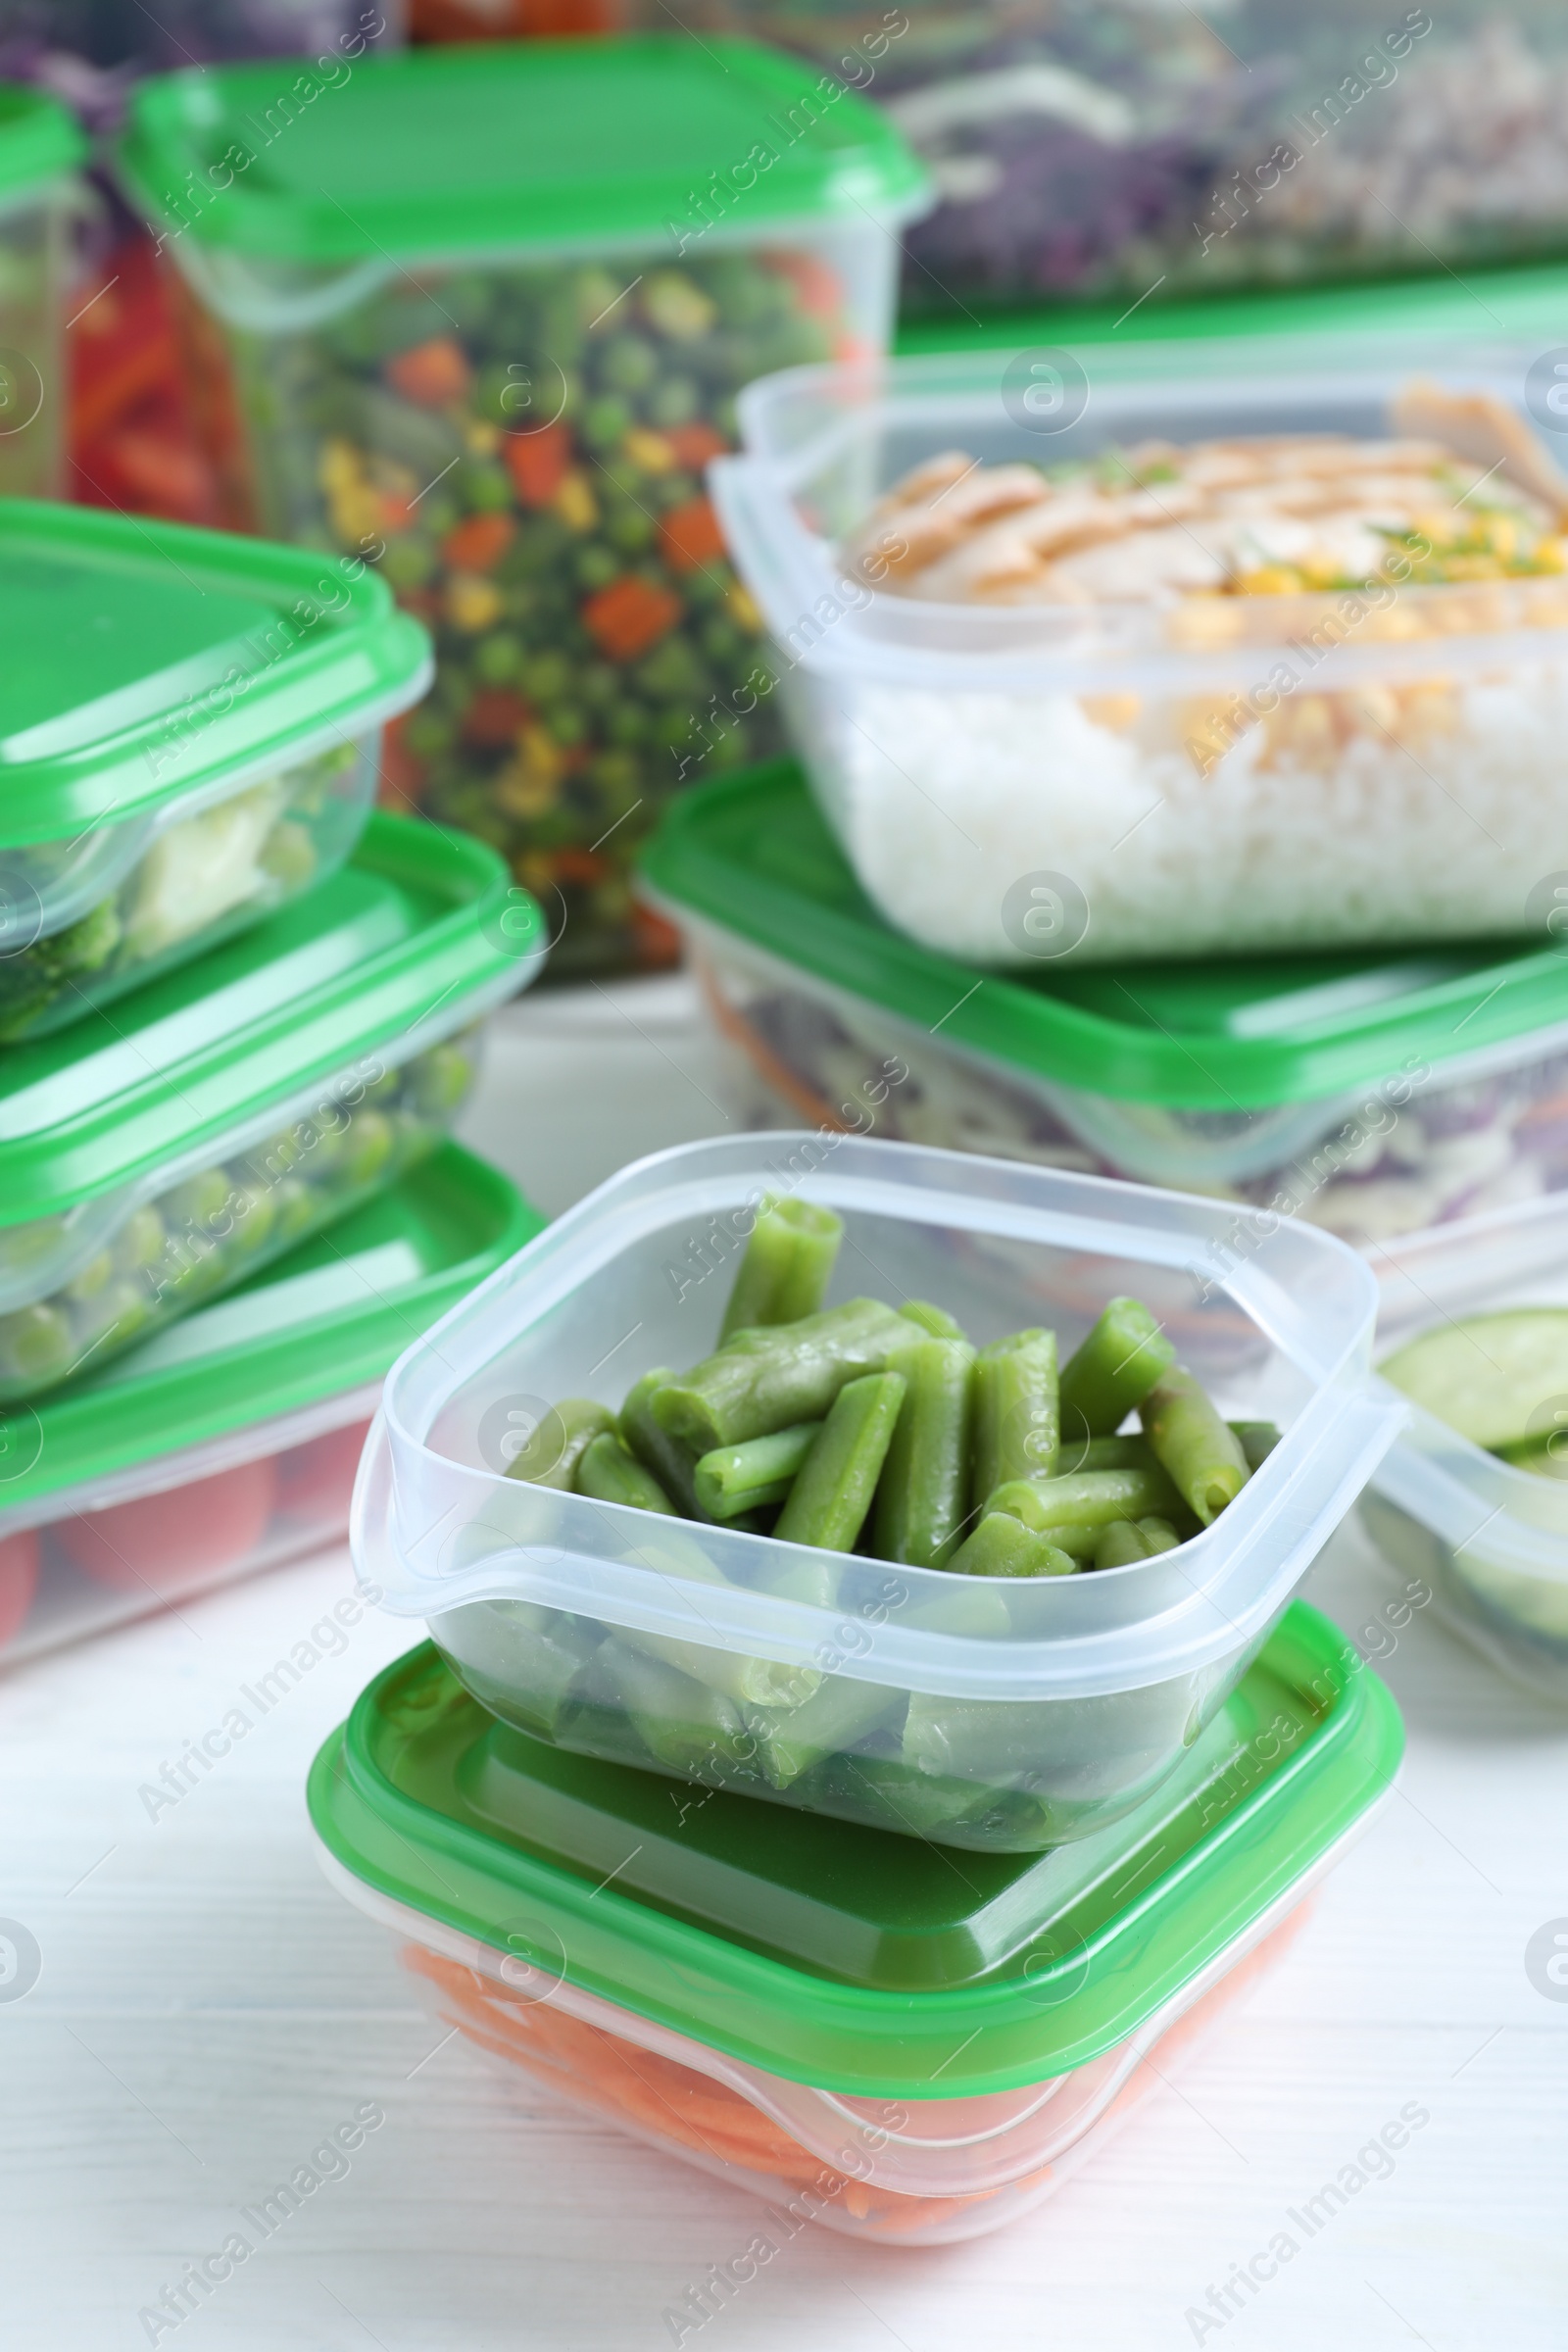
1145 1768
234 1013
481 315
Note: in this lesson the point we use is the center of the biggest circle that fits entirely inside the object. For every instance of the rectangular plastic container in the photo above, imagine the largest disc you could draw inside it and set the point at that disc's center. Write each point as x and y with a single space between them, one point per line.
1491 1540
230 1445
777 2010
1375 1095
1031 786
190 731
945 1706
40 151
151 1159
481 316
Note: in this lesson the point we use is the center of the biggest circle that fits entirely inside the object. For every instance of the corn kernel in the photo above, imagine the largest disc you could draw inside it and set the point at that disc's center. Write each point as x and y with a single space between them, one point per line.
650 451
574 501
472 604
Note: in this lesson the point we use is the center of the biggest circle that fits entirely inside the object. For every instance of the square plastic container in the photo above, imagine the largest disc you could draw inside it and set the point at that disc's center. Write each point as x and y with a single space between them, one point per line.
190 729
1027 785
230 1445
944 1706
40 150
481 314
152 1160
826 2015
1491 1540
1374 1094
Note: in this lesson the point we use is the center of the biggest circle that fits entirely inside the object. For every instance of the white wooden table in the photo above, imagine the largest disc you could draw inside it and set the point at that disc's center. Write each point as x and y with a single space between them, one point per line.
209 2011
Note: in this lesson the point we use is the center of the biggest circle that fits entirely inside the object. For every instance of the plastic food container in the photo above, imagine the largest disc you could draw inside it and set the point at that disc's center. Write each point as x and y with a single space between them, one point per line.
1140 151
190 726
473 322
230 1445
1026 784
940 1705
1491 1542
831 2017
152 1160
1374 1094
41 148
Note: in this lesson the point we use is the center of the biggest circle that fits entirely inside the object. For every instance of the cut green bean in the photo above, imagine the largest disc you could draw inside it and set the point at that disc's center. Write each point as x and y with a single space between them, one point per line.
933 1320
925 1490
1131 1452
1201 1451
610 1474
1090 1499
752 1477
556 1443
1114 1371
1003 1545
673 1464
1257 1439
1128 1539
787 1267
766 1380
834 1488
1017 1425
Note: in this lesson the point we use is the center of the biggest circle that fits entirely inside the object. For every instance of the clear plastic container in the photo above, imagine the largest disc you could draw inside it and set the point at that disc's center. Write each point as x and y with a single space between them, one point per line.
1041 786
41 148
943 1706
1373 1095
151 1161
230 1445
1129 150
471 318
809 2080
190 729
1489 1540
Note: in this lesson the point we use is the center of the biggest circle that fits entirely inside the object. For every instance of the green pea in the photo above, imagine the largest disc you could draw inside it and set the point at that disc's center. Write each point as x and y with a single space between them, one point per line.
546 677
407 563
440 1079
496 658
674 669
140 1242
94 1277
565 723
674 401
485 485
255 1216
597 565
295 1211
370 1148
199 1203
32 1244
429 734
606 421
629 363
629 725
629 528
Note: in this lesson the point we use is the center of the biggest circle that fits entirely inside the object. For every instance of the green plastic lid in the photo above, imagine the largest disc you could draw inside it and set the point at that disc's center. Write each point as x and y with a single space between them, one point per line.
1001 1972
421 925
751 853
332 1315
144 661
536 144
39 138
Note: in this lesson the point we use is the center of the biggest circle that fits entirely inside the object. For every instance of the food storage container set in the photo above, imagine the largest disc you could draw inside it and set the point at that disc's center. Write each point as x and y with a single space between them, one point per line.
190 726
499 373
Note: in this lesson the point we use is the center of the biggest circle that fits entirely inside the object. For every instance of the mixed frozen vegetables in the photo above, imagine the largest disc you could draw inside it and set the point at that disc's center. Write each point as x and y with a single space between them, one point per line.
521 447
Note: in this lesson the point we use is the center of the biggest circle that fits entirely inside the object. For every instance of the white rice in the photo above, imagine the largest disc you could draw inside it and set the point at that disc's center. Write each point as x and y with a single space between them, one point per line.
945 801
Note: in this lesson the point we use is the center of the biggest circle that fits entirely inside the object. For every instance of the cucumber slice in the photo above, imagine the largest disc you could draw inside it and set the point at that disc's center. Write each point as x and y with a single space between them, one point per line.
1493 1378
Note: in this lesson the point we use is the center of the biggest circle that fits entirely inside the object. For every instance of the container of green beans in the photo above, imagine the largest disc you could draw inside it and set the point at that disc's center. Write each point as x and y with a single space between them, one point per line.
936 1493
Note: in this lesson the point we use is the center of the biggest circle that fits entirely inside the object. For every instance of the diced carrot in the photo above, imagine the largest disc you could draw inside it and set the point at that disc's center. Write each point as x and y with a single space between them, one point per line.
689 535
577 866
629 616
496 715
695 444
478 542
402 774
432 374
816 287
537 462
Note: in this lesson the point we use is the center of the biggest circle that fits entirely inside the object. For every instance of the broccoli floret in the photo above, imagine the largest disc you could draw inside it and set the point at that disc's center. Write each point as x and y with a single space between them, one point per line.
30 983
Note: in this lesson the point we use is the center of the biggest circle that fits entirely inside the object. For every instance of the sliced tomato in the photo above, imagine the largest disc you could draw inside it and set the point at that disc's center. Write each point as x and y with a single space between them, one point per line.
315 1482
164 1544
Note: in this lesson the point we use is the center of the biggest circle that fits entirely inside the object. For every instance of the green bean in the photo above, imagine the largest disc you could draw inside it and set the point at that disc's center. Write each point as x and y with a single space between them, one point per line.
1257 1439
835 1485
933 1320
1125 1541
766 1380
1201 1453
610 1474
1132 1453
1114 1370
787 1267
673 1464
925 1489
749 1477
1003 1545
1015 1417
558 1442
835 1717
1090 1499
